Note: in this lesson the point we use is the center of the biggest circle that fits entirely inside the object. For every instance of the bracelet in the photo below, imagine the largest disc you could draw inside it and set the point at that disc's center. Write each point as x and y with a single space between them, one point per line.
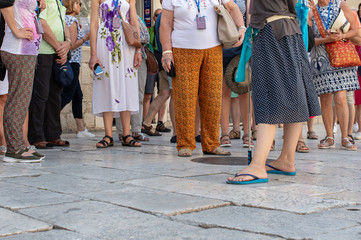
167 51
138 51
67 39
241 28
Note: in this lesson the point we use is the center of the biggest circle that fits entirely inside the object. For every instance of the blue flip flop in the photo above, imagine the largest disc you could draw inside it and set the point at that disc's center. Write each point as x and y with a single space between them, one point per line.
255 180
277 171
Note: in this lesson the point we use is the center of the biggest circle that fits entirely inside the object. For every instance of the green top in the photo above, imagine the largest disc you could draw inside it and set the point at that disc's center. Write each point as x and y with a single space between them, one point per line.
152 41
51 15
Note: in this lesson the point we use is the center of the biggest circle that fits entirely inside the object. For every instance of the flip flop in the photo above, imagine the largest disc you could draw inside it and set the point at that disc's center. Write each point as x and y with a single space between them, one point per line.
255 180
278 171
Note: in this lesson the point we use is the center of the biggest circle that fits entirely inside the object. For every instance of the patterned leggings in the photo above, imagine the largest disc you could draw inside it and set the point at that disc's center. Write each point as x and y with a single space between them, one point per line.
21 70
198 75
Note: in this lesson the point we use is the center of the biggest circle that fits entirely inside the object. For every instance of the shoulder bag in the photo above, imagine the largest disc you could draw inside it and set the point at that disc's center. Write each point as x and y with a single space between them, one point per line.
152 63
340 53
226 28
63 73
131 34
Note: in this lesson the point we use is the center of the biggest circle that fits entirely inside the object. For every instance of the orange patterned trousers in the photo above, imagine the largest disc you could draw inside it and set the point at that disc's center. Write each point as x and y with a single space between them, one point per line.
198 76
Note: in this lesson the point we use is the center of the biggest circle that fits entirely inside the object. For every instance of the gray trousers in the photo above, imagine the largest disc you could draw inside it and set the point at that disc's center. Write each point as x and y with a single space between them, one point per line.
136 119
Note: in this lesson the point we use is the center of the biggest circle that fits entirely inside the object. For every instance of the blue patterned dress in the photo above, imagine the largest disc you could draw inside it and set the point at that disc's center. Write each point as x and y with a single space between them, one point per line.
328 79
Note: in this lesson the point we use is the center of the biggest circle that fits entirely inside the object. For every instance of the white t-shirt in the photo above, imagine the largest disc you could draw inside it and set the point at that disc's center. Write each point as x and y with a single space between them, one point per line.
185 33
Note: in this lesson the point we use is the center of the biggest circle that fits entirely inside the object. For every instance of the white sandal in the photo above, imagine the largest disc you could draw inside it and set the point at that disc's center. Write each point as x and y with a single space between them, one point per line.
349 146
325 145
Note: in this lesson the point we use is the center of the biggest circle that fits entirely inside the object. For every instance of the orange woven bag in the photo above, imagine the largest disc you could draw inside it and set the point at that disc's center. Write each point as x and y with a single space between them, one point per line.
340 53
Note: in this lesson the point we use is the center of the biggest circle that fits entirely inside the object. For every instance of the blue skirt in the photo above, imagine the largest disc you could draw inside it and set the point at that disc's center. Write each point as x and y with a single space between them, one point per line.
283 90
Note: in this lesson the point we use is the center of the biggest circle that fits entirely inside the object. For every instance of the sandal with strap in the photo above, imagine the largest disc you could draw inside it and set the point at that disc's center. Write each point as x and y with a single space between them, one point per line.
131 142
350 137
246 142
104 143
312 135
60 143
301 147
225 141
148 130
325 145
43 145
218 151
184 152
140 137
234 134
349 146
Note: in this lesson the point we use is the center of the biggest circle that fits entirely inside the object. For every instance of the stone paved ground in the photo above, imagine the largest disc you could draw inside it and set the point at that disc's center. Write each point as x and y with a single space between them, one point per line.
149 193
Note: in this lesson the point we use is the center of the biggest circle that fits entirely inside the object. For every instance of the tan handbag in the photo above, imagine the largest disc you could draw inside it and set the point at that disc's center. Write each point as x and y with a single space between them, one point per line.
227 30
131 34
152 63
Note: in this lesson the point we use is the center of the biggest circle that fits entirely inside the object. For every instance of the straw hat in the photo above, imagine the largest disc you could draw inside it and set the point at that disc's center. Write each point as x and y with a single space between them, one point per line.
230 74
341 23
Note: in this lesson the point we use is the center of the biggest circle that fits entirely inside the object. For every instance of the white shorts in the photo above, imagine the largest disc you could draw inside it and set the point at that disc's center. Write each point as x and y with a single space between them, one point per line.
4 85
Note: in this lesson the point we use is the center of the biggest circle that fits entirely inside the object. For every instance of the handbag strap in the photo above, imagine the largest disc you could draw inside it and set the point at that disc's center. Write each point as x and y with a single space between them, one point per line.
317 16
61 18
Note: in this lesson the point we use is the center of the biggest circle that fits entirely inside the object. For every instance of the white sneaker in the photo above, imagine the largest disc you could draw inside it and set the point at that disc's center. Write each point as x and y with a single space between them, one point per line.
355 128
358 136
334 129
85 134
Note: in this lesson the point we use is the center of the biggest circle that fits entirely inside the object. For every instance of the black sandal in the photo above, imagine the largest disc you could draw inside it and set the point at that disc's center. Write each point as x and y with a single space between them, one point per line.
131 143
104 143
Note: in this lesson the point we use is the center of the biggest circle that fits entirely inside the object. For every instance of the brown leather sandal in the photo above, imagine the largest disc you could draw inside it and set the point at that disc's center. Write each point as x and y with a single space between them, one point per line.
60 143
43 145
148 130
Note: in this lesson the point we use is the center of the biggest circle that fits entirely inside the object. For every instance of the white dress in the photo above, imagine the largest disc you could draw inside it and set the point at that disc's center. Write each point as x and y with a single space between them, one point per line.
116 90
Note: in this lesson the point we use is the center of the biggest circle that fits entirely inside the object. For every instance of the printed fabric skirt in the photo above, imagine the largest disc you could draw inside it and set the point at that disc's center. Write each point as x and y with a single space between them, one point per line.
282 86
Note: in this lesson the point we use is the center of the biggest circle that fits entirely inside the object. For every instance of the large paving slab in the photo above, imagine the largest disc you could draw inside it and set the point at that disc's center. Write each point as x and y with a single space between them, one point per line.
63 183
15 196
245 196
54 234
107 221
275 223
348 233
14 223
8 170
156 201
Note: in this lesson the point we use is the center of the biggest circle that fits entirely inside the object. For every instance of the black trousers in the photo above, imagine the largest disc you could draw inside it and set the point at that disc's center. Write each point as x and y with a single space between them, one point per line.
44 110
73 93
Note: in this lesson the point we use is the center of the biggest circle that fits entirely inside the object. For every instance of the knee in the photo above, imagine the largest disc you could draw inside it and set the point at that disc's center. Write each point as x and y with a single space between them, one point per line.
3 99
340 99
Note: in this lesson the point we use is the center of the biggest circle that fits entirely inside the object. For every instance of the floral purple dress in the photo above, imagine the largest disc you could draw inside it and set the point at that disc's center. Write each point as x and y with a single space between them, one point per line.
116 90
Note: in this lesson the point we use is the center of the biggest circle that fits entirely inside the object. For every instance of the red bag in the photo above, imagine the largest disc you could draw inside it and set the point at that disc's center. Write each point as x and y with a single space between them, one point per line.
340 53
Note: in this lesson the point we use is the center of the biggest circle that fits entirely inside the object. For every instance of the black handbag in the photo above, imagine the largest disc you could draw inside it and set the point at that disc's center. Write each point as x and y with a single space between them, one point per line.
63 73
2 33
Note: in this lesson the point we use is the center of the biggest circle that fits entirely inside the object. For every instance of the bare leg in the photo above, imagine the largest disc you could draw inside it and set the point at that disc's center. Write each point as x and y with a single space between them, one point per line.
358 120
236 113
2 105
266 134
25 130
351 119
108 124
79 124
327 117
226 99
161 112
156 105
342 115
146 103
